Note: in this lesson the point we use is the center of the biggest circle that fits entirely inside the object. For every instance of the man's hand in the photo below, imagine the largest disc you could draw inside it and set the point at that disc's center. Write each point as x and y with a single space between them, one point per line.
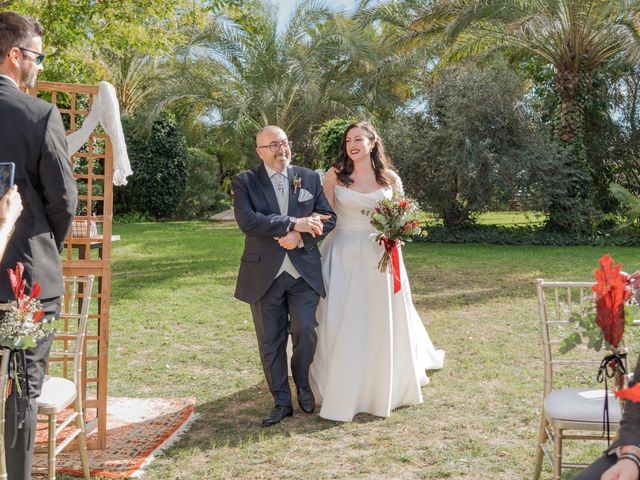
11 205
624 469
289 241
312 225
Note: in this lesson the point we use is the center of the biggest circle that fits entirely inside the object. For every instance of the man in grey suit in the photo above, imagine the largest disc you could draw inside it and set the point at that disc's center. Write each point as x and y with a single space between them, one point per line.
284 213
33 137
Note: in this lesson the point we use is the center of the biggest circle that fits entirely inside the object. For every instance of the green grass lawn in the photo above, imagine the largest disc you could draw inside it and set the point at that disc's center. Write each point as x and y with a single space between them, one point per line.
512 218
176 330
498 218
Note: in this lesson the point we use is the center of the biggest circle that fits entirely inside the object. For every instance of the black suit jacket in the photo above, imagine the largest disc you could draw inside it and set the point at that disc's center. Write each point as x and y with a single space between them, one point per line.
33 137
258 216
630 424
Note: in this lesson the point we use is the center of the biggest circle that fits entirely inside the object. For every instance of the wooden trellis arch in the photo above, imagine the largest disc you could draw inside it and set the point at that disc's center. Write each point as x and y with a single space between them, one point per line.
88 248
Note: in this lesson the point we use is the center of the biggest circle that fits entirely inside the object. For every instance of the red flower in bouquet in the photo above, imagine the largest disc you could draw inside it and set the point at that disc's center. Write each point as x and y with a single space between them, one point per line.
396 220
611 293
20 327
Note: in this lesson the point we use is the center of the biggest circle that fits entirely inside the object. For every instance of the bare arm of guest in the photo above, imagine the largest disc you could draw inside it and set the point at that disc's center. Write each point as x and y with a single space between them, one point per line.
10 209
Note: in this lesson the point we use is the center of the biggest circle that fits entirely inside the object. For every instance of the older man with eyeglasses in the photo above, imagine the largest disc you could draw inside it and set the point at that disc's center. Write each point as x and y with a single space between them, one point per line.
283 212
32 136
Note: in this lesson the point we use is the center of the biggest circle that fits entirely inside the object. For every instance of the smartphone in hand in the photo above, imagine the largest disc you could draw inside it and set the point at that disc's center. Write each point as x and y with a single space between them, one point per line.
7 172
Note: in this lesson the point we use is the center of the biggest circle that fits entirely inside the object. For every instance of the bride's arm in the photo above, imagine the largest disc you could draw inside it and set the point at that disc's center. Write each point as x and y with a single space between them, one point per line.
329 182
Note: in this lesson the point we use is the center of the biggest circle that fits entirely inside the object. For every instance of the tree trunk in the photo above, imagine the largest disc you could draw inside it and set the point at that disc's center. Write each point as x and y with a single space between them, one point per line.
572 211
633 102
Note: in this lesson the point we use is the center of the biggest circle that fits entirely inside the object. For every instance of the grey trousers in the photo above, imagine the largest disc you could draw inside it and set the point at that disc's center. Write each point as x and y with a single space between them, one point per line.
20 457
289 306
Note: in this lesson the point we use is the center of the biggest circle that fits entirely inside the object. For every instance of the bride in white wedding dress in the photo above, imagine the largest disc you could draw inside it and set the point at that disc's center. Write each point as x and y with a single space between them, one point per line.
372 349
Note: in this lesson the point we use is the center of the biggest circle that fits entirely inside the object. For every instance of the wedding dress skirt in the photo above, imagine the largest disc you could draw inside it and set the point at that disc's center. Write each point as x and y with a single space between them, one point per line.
372 349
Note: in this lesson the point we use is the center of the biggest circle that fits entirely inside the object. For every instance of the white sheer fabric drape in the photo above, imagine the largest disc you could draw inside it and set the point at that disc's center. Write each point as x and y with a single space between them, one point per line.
105 111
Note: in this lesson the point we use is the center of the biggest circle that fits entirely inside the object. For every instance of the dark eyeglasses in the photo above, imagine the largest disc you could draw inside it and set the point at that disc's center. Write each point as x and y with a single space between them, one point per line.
275 146
39 57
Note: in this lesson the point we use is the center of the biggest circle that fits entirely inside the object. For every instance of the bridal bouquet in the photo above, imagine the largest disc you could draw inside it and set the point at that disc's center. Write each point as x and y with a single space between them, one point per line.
396 220
20 327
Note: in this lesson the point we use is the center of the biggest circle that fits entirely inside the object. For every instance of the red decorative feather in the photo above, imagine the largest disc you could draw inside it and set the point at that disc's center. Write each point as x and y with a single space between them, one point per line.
35 290
611 292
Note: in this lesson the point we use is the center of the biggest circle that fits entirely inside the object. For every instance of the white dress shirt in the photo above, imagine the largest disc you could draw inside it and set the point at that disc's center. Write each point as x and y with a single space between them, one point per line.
12 80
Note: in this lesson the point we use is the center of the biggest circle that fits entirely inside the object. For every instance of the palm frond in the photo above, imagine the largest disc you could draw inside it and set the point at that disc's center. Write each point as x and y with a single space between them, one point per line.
568 34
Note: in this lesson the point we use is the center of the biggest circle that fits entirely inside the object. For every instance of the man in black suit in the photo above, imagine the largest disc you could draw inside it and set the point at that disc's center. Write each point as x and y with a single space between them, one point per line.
622 460
33 137
284 213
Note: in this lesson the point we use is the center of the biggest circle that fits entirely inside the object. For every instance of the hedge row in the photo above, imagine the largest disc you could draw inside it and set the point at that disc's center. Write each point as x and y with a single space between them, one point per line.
524 235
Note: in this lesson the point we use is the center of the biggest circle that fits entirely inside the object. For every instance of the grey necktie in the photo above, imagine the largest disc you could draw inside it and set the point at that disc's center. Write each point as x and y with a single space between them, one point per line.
281 192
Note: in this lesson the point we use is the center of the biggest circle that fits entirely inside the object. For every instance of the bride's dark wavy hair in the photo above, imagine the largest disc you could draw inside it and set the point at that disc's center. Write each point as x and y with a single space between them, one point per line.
379 160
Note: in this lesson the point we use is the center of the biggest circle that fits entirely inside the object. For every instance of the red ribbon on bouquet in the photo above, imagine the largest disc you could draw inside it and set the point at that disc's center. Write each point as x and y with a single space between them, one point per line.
391 249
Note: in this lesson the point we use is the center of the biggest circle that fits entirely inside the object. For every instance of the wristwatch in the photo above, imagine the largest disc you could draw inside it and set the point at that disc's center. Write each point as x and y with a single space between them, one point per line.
292 224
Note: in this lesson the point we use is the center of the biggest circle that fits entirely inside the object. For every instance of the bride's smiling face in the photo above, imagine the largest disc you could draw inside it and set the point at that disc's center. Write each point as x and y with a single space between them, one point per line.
358 144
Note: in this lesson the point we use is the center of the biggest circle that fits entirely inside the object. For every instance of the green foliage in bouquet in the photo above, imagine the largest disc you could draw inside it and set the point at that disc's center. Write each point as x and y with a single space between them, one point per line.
395 218
587 330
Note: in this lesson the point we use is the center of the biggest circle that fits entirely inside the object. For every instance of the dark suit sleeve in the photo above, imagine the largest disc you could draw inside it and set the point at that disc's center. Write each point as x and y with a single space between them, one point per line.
254 223
59 191
322 207
630 424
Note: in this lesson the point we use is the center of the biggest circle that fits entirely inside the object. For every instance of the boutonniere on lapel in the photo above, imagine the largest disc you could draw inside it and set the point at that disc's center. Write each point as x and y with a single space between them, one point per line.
296 181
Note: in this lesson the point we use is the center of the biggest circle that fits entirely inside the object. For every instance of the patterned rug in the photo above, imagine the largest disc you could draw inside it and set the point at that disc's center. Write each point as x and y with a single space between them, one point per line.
137 430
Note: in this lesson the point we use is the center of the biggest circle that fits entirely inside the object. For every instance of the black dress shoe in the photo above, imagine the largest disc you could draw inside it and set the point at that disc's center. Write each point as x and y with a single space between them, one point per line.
278 414
306 400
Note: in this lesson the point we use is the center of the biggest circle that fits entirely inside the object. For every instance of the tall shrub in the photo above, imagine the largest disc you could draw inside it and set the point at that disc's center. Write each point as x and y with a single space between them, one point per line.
158 161
473 144
202 196
328 138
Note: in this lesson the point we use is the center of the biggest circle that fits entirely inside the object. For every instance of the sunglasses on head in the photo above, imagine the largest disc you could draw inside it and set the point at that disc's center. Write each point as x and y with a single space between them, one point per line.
39 57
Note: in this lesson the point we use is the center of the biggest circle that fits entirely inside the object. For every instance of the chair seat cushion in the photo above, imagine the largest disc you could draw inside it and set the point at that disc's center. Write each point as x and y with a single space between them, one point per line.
57 394
568 404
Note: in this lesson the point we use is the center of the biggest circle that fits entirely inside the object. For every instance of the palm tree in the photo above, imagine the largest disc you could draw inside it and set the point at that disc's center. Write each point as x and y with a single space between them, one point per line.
132 74
573 36
243 73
